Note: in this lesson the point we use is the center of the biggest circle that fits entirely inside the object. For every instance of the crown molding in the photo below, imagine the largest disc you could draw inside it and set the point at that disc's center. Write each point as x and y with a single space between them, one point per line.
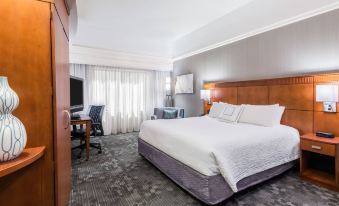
96 56
279 24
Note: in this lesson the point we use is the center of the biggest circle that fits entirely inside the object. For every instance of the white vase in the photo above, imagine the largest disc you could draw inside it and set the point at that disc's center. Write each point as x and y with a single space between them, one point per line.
13 135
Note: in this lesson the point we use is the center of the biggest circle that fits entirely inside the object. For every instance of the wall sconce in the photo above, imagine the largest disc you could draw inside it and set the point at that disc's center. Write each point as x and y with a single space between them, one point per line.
328 94
206 95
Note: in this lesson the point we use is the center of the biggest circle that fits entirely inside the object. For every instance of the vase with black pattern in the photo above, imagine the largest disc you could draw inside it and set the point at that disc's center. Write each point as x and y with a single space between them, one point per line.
13 135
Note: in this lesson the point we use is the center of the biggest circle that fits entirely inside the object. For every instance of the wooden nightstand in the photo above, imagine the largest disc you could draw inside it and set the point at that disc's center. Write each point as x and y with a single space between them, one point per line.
319 160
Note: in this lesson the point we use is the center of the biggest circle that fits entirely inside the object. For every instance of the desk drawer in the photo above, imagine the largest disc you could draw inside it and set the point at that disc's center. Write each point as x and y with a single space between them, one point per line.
318 147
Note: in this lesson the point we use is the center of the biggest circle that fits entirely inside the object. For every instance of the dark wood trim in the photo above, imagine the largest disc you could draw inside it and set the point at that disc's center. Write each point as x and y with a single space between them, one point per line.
291 92
27 157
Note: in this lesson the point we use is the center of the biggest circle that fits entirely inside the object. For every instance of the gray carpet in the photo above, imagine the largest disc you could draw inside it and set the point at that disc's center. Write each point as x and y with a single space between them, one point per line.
120 177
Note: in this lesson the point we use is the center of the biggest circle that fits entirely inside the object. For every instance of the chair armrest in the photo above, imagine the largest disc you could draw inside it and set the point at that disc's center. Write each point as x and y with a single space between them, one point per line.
154 117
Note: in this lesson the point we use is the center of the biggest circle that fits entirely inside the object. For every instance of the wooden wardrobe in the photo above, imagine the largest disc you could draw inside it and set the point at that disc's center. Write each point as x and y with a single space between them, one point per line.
34 55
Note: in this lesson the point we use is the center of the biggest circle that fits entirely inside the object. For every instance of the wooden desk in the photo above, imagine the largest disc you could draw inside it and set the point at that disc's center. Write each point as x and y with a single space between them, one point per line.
84 120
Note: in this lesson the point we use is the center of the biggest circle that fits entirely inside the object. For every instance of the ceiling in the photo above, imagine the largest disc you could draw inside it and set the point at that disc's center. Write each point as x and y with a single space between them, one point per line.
145 26
168 29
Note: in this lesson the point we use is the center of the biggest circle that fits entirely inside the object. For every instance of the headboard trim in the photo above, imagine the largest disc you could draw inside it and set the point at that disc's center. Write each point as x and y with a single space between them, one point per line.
297 94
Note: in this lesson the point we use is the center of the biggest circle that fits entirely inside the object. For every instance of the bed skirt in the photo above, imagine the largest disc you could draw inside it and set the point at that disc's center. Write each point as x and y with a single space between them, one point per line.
208 189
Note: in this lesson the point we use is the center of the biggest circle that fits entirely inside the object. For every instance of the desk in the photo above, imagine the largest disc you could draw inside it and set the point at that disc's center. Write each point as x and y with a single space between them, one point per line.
84 120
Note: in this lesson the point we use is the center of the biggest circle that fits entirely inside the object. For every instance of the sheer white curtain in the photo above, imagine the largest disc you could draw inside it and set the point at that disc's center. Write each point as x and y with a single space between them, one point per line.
129 96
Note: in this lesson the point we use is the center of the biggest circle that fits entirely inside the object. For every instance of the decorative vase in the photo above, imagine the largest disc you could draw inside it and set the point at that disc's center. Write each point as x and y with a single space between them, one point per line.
13 135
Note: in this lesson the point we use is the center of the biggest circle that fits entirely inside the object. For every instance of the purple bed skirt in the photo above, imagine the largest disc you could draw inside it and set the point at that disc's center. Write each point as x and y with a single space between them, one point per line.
208 189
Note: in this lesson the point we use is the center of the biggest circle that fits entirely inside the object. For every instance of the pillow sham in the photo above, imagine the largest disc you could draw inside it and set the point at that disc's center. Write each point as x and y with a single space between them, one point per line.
279 115
264 115
230 113
216 109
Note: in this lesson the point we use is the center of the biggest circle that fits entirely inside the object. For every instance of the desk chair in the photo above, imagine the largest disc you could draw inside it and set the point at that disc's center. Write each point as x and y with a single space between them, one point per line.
95 113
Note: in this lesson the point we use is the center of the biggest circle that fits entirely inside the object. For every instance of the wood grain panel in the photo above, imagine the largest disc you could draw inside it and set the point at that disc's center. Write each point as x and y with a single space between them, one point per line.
23 187
301 120
27 157
326 78
69 5
25 53
242 83
266 82
327 122
209 86
228 95
322 148
293 96
291 80
313 137
296 93
62 12
207 107
62 144
253 95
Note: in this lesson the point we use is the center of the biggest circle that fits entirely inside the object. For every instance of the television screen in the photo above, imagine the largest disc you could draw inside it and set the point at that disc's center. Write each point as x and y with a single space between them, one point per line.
77 94
184 84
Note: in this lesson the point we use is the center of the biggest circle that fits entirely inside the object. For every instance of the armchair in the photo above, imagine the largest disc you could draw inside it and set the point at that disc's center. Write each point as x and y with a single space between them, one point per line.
159 113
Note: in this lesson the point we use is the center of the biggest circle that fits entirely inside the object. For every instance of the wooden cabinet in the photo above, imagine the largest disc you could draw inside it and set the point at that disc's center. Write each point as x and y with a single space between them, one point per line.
319 161
34 56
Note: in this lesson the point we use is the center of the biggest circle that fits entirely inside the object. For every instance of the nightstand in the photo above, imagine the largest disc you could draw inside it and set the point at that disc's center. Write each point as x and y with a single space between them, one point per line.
319 160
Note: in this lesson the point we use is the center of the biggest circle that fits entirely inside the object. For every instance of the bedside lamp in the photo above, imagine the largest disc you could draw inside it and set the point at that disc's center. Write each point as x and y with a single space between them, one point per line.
206 95
328 94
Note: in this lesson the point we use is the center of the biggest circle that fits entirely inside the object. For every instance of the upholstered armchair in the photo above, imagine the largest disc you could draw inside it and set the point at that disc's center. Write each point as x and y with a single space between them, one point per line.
168 113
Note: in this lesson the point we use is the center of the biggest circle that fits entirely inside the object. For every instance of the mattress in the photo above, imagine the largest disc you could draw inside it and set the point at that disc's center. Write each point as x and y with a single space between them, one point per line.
208 189
211 147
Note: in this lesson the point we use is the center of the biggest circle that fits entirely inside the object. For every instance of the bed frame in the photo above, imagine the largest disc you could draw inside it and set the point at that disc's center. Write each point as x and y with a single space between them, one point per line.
302 112
208 189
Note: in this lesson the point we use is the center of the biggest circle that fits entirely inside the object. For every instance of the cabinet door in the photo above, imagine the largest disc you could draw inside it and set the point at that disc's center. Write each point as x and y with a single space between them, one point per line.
62 8
62 141
25 58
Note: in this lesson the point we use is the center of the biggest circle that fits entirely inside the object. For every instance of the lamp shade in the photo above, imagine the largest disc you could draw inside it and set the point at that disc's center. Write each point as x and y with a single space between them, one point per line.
327 93
205 94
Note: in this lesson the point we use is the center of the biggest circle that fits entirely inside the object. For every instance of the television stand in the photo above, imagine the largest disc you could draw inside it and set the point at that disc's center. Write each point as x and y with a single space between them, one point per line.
75 116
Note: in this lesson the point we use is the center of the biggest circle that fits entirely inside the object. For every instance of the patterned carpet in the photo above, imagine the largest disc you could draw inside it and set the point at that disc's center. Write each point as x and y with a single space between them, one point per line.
120 177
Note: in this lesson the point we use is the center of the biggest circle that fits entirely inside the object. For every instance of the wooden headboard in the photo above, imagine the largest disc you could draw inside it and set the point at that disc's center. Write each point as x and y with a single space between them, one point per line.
297 94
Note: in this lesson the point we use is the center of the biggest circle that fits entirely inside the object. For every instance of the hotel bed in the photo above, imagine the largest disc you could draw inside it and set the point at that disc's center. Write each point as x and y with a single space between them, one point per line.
212 159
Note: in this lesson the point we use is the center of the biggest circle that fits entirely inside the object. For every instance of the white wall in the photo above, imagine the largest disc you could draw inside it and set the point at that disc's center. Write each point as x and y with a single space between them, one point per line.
254 18
305 47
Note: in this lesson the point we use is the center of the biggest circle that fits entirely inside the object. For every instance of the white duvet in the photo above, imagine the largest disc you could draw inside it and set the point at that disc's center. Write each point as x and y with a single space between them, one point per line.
212 147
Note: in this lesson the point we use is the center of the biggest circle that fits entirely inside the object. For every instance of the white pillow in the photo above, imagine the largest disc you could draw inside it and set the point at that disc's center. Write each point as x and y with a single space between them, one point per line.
279 115
216 109
265 115
230 113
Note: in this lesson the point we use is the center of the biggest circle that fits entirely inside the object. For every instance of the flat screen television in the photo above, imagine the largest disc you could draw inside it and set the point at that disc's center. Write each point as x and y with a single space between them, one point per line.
77 94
